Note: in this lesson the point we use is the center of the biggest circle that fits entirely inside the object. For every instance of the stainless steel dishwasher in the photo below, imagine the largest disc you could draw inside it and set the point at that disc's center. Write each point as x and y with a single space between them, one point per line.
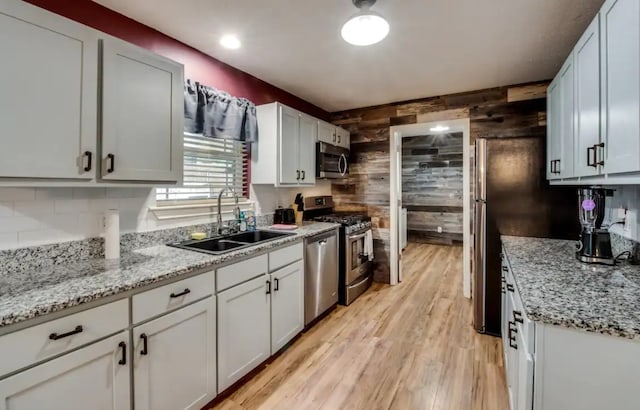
321 274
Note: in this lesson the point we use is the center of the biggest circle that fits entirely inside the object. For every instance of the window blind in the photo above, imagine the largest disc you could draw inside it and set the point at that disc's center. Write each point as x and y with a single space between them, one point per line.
210 164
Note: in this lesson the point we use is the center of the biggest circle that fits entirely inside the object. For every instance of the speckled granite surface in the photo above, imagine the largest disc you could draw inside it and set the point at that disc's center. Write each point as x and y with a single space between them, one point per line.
556 289
28 294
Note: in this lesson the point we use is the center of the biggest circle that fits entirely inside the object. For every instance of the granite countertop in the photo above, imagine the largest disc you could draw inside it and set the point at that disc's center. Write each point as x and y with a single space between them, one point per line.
27 295
559 290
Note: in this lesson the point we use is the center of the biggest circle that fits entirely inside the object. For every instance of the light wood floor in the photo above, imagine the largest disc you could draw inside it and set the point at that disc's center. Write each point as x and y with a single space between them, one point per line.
405 347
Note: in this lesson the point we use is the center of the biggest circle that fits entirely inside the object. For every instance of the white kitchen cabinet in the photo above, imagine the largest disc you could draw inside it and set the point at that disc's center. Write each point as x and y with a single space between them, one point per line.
142 114
175 359
524 376
554 144
285 155
244 329
587 102
327 133
567 118
344 137
287 304
620 82
94 377
49 83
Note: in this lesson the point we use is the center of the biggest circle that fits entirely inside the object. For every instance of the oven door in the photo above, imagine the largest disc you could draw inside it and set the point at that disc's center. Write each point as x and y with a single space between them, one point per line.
358 264
332 162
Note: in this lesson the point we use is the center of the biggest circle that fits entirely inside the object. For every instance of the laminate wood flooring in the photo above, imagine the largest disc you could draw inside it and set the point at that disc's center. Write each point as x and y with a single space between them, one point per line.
405 347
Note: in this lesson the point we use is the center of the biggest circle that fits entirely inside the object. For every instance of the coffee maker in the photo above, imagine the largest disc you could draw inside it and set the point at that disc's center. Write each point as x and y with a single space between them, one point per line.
595 243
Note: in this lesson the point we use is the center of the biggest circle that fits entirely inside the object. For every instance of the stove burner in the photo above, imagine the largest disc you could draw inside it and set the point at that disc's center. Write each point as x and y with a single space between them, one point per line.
344 219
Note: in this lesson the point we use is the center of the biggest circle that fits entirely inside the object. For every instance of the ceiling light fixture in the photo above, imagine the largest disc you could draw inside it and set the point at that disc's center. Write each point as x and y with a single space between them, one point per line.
439 128
230 41
366 27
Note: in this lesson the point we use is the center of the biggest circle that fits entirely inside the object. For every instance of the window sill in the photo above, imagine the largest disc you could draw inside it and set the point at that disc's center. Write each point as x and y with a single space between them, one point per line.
197 210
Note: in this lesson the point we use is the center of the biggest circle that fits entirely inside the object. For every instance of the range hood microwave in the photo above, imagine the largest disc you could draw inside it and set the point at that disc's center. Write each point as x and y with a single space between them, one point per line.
332 161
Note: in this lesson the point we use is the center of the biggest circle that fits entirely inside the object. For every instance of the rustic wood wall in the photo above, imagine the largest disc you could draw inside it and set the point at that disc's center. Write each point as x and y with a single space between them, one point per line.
432 168
504 112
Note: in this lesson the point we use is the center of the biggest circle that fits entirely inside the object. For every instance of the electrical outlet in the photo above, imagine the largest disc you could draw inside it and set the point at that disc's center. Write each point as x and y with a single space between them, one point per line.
631 224
439 229
620 214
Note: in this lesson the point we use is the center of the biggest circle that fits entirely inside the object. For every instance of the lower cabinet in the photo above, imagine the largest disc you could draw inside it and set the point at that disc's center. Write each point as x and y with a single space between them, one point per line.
175 359
93 377
244 329
287 304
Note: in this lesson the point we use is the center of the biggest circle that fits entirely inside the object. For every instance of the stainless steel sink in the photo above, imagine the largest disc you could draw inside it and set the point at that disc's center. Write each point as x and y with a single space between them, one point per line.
224 244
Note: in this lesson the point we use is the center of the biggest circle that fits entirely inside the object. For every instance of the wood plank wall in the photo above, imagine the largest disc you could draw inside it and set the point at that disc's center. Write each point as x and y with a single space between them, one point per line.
512 111
432 168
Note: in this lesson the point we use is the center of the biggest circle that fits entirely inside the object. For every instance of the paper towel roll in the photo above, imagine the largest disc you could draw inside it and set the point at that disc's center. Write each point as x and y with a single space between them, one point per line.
112 234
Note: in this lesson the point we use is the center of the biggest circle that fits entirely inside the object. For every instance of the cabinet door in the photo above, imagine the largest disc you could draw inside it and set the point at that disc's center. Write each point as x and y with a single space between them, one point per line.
525 375
49 83
554 144
289 132
344 137
94 377
327 132
175 359
567 118
620 70
511 355
142 115
287 304
307 149
244 338
587 71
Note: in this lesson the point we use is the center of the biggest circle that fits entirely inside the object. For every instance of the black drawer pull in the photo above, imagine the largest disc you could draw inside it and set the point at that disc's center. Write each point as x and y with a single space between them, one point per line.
505 269
298 177
277 284
89 156
589 156
268 287
510 287
177 295
55 336
303 175
123 360
601 161
512 338
145 347
111 159
517 316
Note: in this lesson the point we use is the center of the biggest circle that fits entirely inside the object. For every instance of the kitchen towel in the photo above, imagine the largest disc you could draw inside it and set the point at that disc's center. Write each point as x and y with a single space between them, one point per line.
368 244
112 234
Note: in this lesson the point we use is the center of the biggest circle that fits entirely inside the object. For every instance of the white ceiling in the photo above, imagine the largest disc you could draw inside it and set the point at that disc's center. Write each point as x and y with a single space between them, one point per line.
435 47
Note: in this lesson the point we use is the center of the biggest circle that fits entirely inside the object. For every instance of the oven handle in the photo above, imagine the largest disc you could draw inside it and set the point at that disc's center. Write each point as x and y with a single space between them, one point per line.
356 237
355 285
340 161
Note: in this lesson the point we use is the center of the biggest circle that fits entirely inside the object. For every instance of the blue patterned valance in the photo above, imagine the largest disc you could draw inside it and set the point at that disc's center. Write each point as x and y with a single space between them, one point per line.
214 113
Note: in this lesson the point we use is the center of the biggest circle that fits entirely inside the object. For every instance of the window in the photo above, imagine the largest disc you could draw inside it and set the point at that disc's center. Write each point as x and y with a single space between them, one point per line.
210 164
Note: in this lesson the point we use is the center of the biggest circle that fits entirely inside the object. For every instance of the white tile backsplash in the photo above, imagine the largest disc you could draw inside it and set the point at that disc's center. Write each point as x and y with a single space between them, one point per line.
627 197
17 194
6 209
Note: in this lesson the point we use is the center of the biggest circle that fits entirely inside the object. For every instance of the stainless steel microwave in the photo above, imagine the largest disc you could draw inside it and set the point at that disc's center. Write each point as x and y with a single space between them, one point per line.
332 162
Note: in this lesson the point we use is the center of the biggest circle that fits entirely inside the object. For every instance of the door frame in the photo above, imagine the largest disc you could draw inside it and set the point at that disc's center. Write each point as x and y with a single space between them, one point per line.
395 180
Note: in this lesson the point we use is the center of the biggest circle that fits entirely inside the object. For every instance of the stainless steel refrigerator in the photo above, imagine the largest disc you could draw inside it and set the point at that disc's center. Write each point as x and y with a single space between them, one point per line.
511 196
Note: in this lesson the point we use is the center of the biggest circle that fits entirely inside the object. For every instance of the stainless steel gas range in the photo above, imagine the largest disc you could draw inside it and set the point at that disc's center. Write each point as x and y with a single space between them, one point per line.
356 268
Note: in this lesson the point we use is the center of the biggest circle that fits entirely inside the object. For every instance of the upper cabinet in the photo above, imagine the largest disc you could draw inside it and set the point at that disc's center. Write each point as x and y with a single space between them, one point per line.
142 111
285 154
331 134
49 83
72 116
604 103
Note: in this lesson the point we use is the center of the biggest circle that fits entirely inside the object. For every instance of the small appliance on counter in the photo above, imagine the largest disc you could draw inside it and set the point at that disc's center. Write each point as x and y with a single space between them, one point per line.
594 245
284 216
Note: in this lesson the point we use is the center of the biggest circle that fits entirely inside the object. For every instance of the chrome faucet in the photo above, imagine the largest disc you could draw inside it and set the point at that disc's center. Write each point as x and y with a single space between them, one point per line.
224 229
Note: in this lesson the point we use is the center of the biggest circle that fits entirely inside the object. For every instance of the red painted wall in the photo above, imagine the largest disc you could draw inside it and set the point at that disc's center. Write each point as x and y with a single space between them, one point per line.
198 66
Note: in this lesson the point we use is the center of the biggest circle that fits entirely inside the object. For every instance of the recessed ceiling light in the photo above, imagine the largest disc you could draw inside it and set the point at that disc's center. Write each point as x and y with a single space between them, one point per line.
439 128
230 41
366 27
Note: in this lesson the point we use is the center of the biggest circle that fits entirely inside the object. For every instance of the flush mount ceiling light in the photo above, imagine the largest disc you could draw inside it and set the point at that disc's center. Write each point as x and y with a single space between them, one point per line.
366 27
230 41
439 128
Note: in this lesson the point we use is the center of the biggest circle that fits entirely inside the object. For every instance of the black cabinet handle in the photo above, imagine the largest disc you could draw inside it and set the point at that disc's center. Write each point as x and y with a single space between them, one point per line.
123 360
558 166
517 316
339 138
89 156
111 159
512 338
276 284
589 156
177 295
298 177
510 287
145 346
303 175
268 287
55 336
599 162
505 269
502 290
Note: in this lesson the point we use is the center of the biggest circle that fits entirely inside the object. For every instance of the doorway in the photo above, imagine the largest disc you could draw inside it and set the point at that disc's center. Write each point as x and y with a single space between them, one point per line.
421 139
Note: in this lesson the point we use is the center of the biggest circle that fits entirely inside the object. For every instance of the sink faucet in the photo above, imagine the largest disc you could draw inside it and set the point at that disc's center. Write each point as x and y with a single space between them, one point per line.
222 229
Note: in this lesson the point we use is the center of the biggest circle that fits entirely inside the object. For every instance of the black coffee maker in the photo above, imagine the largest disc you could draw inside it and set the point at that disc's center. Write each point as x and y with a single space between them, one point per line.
595 243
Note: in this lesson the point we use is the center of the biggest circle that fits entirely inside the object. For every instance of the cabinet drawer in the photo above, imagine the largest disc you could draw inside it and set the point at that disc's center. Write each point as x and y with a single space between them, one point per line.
169 297
241 272
32 345
285 256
